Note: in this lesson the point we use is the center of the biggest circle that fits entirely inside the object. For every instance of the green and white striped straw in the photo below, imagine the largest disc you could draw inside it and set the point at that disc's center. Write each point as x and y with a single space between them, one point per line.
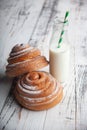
62 32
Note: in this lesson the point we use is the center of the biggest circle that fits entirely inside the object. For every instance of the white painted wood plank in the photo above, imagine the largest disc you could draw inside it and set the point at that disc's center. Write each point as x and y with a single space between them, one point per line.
18 20
54 116
70 113
5 85
81 83
73 91
63 115
40 116
78 31
81 64
34 121
46 116
15 27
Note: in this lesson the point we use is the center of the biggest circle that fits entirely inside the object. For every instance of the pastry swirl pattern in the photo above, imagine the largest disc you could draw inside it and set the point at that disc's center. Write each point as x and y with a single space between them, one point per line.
38 90
24 58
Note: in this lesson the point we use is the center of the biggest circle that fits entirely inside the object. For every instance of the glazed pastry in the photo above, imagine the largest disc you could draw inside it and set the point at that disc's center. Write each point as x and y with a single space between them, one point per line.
24 58
38 90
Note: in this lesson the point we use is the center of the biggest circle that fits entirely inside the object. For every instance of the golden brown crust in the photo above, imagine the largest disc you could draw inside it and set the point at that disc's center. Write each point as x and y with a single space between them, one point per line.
38 91
19 47
24 58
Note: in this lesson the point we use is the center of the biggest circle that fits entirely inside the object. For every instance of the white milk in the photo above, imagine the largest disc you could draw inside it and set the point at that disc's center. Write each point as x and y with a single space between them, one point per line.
59 61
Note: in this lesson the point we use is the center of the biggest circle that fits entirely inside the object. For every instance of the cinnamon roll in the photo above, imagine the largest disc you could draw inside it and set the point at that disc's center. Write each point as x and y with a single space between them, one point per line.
24 58
38 90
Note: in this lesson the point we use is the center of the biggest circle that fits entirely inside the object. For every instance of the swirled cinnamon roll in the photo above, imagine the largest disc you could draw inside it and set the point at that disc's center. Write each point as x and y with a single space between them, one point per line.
38 90
24 58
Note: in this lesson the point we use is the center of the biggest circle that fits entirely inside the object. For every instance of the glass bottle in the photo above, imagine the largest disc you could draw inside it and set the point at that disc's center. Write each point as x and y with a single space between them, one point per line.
59 56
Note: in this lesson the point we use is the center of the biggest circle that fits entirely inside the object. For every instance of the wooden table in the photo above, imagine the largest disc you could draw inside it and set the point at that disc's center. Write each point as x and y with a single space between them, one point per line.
30 21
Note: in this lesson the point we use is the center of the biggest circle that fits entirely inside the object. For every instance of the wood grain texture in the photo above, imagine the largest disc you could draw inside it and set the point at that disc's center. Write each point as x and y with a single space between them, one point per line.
81 83
31 21
15 25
